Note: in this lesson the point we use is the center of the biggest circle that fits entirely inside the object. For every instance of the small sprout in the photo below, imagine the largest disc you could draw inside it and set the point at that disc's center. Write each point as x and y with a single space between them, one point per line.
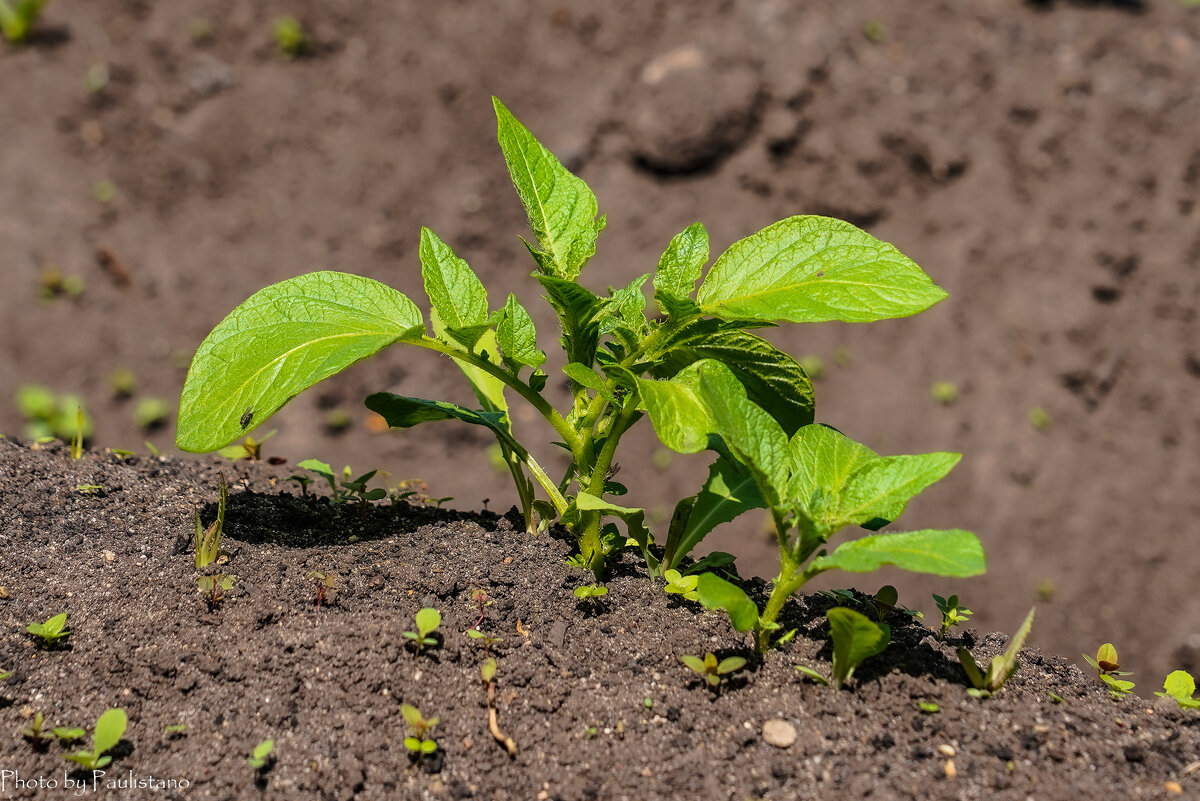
481 601
428 620
17 20
420 745
261 756
208 541
1001 667
249 449
929 707
487 670
5 675
67 735
855 638
303 481
648 702
842 597
122 382
77 440
52 284
591 595
487 639
51 631
175 730
338 420
90 489
952 613
104 191
874 30
1108 666
1054 698
590 732
885 601
151 413
33 732
710 669
813 366
944 392
1180 686
214 588
109 728
684 586
290 39
1039 418
325 584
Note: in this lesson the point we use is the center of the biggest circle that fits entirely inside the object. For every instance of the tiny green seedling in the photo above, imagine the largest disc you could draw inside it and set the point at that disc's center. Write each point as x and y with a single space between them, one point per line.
122 382
108 732
1001 667
710 669
51 631
1055 698
5 675
350 489
17 20
77 439
885 601
592 594
325 584
486 639
290 39
260 758
151 413
929 707
952 613
214 588
1040 419
481 601
208 541
249 449
681 585
90 489
855 638
67 735
428 620
1180 686
175 730
1108 666
33 732
944 392
418 743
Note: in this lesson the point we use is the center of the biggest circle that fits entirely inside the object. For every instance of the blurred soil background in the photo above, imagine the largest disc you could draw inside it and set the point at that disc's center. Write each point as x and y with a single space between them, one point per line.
1040 161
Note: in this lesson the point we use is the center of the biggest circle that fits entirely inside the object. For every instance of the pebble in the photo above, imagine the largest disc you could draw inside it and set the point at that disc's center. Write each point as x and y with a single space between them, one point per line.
1174 788
779 733
947 750
951 771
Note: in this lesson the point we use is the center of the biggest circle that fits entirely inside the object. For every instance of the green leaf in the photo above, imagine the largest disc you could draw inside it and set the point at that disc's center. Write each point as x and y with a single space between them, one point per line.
263 749
953 553
110 727
403 412
626 308
855 638
428 620
693 662
812 674
752 435
412 716
731 663
730 490
1004 665
1180 686
561 208
455 291
681 263
823 459
281 341
634 519
587 377
517 336
55 625
809 269
579 311
880 489
428 746
717 593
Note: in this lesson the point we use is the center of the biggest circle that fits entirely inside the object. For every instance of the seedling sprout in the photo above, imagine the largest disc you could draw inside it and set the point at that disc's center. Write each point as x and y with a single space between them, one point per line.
1002 666
51 631
261 756
418 742
1181 687
710 669
428 620
1108 666
108 732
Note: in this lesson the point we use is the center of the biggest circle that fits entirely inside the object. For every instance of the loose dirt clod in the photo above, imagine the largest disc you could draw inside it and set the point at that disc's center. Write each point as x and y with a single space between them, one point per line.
779 733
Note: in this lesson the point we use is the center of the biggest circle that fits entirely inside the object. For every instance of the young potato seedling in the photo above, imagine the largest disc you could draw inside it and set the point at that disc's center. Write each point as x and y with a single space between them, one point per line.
1108 666
710 669
427 622
683 586
260 757
691 365
208 541
33 732
51 631
1001 667
17 20
1180 686
952 613
855 637
350 489
591 594
418 743
110 727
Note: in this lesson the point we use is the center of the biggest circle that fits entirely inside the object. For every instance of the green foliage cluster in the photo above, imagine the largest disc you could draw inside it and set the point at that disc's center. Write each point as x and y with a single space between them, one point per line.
952 613
348 489
1002 666
1181 687
690 364
710 669
855 638
428 620
110 727
419 743
51 631
49 416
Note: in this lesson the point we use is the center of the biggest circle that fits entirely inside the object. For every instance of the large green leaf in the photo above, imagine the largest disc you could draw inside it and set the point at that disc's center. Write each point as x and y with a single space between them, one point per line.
715 592
279 342
455 291
954 553
877 492
681 263
517 336
561 208
773 380
810 269
823 458
579 312
855 638
730 490
679 415
404 412
751 435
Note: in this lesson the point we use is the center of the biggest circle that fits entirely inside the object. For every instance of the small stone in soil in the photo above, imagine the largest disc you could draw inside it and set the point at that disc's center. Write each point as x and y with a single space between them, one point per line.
779 733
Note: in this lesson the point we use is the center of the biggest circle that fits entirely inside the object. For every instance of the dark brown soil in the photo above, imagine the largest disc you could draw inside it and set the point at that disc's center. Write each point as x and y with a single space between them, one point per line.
1039 160
595 698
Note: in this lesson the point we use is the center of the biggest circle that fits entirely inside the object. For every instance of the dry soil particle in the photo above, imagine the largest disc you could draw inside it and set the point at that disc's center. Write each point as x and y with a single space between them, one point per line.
596 698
